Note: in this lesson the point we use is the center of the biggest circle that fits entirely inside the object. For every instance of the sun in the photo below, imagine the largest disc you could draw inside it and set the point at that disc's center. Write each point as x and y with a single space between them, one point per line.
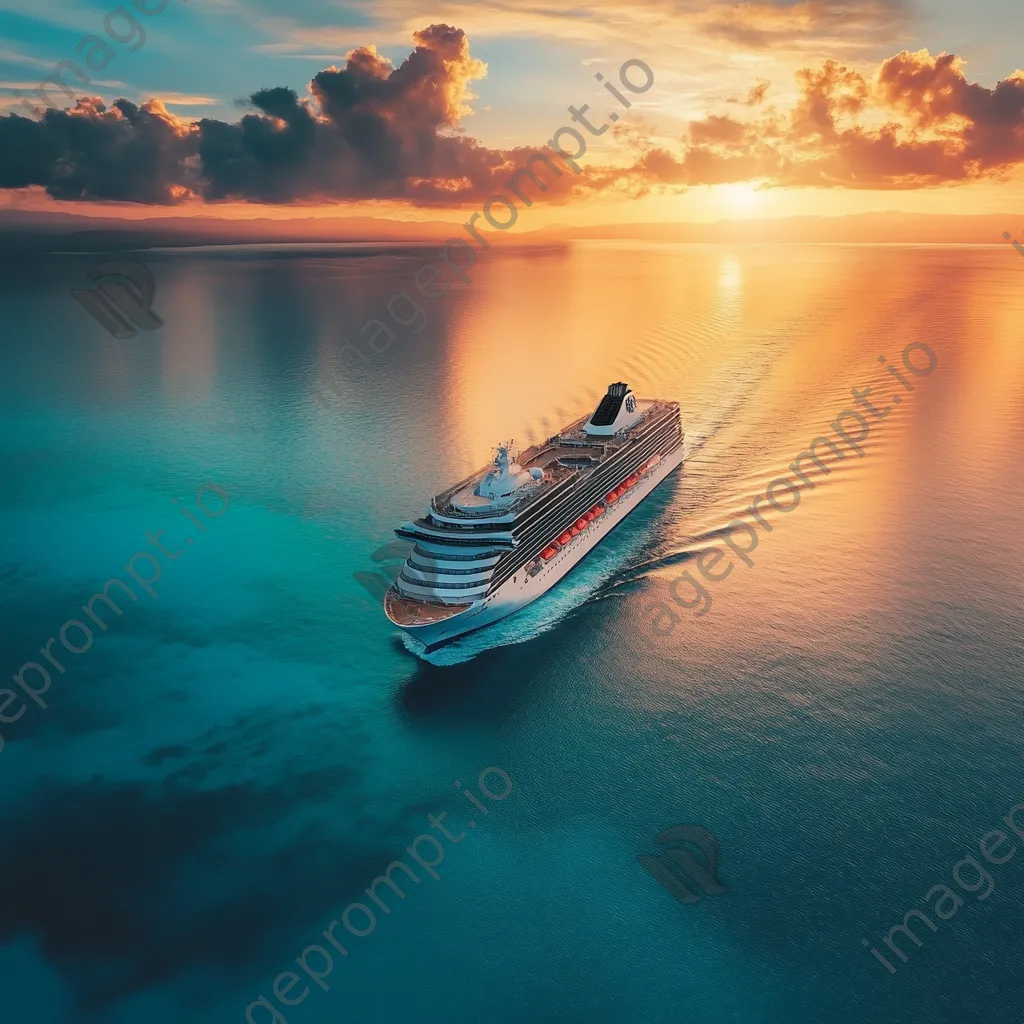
740 198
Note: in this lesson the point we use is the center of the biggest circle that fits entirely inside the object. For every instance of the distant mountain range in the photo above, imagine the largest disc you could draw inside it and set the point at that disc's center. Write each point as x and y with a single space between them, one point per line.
25 231
865 227
22 230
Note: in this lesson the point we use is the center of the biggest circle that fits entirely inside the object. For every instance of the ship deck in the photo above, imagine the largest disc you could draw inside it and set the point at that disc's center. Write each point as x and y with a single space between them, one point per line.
572 444
461 499
407 611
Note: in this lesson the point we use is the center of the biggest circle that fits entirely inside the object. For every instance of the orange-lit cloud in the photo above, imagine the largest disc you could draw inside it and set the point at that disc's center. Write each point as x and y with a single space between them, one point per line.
755 96
779 26
373 131
918 122
808 25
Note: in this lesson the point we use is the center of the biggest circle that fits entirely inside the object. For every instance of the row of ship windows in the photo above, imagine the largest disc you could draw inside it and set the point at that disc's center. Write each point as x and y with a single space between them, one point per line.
490 526
655 435
539 533
651 443
427 585
410 535
448 557
446 571
457 586
607 475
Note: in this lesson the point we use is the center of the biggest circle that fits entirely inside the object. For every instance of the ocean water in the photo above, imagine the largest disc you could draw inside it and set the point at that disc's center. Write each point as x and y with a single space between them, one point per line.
230 762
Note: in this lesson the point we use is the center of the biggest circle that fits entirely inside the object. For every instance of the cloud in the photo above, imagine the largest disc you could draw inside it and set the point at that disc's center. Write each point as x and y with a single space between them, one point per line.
917 122
372 131
811 25
183 99
12 55
367 130
755 96
756 25
130 153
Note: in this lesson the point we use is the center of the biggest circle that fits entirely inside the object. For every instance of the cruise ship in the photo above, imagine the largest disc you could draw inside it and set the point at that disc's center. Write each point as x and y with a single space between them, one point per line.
499 539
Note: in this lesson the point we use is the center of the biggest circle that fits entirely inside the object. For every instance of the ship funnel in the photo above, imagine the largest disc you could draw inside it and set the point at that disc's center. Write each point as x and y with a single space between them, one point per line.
617 411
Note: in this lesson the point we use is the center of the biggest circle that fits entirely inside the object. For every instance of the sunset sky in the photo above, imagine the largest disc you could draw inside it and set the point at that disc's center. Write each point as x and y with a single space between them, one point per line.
251 107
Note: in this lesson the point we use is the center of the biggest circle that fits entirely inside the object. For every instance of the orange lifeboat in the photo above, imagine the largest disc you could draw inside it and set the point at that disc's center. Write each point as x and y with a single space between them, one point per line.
565 538
582 523
592 514
632 481
621 490
548 553
611 496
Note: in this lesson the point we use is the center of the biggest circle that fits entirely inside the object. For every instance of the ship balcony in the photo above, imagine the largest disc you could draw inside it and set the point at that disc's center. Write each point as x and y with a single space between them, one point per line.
445 592
421 530
429 576
444 556
453 515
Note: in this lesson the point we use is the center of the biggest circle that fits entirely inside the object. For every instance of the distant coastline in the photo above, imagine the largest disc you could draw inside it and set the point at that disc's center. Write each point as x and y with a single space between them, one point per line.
24 232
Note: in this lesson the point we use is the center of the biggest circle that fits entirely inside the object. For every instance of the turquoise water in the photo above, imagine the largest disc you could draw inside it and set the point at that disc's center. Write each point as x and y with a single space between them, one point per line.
234 760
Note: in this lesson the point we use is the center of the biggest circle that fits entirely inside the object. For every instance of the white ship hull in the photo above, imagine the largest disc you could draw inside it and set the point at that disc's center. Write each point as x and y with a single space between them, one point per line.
519 591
